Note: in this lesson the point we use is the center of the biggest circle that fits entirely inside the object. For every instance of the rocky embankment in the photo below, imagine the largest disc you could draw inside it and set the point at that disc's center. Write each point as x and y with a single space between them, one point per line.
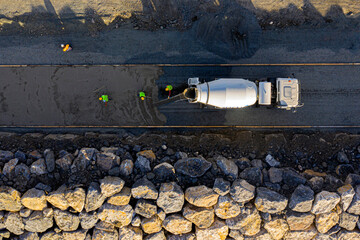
135 193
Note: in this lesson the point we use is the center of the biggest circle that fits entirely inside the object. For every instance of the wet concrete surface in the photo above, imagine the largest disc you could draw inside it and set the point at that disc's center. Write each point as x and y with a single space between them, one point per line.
65 96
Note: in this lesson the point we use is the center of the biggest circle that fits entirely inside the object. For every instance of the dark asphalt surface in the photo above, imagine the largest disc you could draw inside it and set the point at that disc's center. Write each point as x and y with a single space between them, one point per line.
66 96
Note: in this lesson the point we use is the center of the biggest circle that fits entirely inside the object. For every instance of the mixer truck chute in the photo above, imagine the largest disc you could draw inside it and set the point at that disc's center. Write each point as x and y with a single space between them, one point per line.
284 93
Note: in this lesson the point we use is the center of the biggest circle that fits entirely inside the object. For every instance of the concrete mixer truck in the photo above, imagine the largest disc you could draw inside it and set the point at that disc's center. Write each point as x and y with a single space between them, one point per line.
282 93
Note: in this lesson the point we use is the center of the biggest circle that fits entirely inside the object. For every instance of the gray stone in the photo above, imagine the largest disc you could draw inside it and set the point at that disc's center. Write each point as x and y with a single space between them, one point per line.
228 167
316 183
243 163
94 198
248 221
25 212
177 224
257 163
200 216
332 183
64 163
354 207
302 198
292 178
106 161
9 168
299 221
66 221
353 179
346 193
275 175
6 155
217 231
119 216
164 172
22 172
324 202
44 187
57 198
221 186
9 199
34 199
269 201
38 221
271 161
76 198
126 168
226 208
29 236
130 233
121 198
342 158
143 188
88 220
201 196
38 167
236 234
252 175
151 225
193 167
13 223
83 160
241 191
78 235
142 164
145 208
111 185
51 235
49 160
171 197
325 221
348 221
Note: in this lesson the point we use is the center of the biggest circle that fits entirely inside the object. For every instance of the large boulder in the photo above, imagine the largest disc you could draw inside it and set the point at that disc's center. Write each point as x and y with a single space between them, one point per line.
142 164
130 233
186 236
226 208
252 175
177 224
248 221
107 160
348 221
57 198
201 217
121 198
276 227
201 196
299 221
307 234
99 234
88 220
156 236
145 208
193 167
302 198
13 222
76 198
94 198
171 197
241 191
78 235
354 207
269 201
292 178
126 167
221 186
164 172
38 167
119 216
111 185
324 202
217 231
66 221
34 199
325 221
348 235
143 188
9 168
83 160
9 199
346 193
39 221
228 167
151 225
